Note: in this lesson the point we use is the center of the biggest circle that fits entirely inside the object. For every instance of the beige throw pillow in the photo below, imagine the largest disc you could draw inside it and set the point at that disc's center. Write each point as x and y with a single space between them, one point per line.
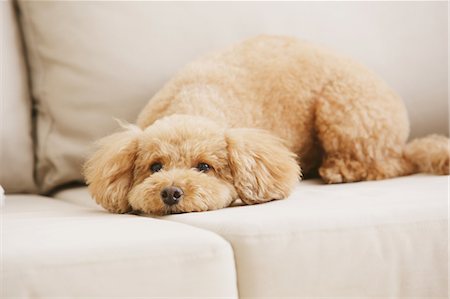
92 61
16 144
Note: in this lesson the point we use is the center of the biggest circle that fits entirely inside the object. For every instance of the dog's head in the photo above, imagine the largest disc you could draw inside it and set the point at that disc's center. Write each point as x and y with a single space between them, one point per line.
186 163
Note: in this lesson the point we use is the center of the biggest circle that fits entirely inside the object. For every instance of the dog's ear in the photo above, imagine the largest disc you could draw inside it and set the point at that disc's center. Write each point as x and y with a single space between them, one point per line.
263 168
109 172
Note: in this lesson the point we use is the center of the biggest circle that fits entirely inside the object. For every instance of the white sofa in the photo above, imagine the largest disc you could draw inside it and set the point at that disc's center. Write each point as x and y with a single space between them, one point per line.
70 67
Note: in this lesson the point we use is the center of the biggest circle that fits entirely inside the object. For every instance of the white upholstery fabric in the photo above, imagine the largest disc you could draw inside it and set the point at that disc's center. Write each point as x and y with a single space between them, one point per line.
370 239
2 196
16 145
51 249
92 61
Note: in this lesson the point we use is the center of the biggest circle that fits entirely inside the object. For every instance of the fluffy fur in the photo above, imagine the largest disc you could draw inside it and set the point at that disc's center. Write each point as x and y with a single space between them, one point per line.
248 112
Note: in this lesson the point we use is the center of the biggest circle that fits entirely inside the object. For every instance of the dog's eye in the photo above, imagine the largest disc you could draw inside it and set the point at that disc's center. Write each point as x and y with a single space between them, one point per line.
203 167
155 167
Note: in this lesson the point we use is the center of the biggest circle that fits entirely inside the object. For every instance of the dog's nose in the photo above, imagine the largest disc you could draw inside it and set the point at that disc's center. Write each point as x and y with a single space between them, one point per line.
171 195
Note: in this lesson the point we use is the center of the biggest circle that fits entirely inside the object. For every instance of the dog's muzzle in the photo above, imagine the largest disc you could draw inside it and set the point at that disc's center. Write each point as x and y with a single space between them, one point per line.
171 195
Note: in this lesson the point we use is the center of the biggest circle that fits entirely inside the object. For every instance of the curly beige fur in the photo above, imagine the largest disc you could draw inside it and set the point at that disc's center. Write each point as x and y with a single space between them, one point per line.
430 154
249 111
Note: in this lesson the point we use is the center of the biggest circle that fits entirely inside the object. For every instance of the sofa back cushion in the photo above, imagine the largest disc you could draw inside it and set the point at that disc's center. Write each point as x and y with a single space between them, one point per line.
93 61
16 144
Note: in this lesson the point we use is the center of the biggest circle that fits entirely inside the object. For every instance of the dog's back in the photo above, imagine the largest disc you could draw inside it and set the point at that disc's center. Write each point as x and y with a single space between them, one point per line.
330 110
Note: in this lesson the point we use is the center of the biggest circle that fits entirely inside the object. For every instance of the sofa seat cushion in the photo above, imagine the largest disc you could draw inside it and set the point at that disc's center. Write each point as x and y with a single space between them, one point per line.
55 249
369 239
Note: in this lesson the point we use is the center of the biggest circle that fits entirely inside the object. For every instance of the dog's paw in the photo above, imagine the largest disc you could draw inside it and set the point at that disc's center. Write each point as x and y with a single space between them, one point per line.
330 176
337 170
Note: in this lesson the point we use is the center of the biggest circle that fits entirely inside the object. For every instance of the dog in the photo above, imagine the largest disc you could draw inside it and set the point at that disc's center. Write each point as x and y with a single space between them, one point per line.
238 124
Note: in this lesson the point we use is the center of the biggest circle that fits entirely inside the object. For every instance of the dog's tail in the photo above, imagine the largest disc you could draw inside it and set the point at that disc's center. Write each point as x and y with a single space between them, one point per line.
430 154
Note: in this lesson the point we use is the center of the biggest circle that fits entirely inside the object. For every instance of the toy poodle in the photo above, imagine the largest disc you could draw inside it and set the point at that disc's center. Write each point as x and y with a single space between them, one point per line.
238 124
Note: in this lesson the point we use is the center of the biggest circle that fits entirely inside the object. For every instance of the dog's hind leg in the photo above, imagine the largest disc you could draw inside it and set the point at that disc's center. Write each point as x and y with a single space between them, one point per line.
362 127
